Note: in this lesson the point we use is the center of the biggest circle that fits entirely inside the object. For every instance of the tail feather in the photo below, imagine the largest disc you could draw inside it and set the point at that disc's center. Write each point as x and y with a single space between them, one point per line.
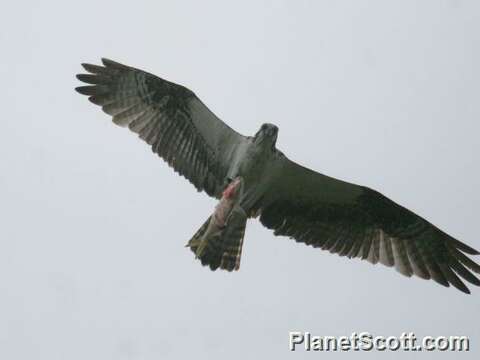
196 241
221 247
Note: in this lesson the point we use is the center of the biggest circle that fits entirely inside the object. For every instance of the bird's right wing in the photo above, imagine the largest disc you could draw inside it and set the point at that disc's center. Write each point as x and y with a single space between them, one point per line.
356 221
169 117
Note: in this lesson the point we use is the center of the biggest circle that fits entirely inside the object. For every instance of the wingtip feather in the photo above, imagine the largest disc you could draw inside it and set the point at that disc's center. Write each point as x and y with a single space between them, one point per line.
81 90
113 64
464 247
86 65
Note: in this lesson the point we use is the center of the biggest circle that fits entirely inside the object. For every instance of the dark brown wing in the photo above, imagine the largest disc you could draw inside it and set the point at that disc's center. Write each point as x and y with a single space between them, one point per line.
355 221
169 117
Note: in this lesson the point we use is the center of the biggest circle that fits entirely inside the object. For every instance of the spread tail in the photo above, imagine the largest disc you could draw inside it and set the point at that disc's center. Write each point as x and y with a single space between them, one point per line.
221 247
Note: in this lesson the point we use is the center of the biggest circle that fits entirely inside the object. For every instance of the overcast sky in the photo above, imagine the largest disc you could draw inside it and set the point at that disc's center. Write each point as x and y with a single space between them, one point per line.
92 257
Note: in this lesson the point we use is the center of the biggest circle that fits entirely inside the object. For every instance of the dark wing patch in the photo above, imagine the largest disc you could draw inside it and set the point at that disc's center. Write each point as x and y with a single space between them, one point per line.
169 117
355 221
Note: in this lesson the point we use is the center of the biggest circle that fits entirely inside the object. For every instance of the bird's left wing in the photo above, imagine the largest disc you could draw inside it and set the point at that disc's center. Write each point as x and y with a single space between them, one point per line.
355 221
169 117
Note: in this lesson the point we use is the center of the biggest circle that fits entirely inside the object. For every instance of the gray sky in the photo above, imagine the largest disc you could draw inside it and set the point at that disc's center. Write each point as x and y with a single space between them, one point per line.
92 257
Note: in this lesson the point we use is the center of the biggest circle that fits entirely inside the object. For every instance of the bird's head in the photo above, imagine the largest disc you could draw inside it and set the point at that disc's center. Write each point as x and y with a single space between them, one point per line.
267 135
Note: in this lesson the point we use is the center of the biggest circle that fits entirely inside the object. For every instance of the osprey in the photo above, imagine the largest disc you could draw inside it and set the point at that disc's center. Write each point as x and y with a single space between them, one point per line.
252 178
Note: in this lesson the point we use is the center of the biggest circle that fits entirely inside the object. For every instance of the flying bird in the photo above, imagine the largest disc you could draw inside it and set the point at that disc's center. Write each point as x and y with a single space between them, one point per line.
252 178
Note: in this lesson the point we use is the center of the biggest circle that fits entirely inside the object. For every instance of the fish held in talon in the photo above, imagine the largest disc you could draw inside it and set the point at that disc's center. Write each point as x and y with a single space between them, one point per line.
218 242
